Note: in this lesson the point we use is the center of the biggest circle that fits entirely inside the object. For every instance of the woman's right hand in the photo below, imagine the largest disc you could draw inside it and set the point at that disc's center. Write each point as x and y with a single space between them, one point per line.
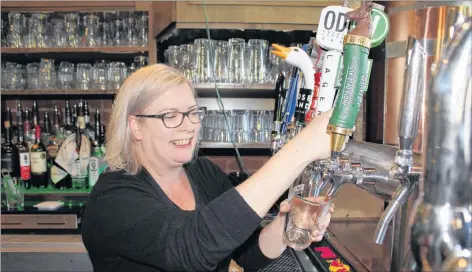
314 139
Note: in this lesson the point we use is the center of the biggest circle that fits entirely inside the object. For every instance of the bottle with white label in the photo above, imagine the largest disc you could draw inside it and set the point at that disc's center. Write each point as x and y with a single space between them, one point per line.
94 164
39 169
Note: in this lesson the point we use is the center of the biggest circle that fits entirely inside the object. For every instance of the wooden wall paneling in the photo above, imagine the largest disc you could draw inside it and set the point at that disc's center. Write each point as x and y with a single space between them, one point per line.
164 15
260 26
194 13
271 3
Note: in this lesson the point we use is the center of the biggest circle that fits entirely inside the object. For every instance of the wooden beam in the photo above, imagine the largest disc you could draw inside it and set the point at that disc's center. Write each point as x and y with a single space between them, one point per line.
270 3
195 13
261 26
164 15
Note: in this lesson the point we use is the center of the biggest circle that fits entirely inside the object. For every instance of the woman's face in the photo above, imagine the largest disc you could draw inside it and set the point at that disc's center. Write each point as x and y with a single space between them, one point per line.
172 146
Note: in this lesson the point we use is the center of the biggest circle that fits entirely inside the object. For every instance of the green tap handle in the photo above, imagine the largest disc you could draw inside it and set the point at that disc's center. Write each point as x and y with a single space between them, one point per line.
355 76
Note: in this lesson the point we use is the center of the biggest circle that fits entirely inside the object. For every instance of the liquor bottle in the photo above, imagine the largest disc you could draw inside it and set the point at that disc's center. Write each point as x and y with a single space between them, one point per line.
9 155
60 178
46 132
69 128
96 163
89 131
24 152
58 130
103 139
35 117
97 123
80 180
75 113
39 170
35 113
28 135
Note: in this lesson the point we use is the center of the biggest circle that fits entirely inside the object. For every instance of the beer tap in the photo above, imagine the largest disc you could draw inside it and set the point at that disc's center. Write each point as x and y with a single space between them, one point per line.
299 58
442 226
299 100
278 110
398 179
355 77
403 169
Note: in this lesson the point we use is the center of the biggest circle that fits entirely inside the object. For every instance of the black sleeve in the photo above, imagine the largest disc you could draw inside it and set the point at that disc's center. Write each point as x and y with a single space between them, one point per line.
249 255
140 228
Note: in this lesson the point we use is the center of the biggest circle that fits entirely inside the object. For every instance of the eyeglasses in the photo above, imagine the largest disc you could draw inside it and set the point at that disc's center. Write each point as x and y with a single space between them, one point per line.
176 118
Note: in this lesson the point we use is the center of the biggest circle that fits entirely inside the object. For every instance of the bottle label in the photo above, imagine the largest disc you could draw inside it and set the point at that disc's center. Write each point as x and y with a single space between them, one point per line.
57 174
25 166
8 162
38 162
81 121
94 170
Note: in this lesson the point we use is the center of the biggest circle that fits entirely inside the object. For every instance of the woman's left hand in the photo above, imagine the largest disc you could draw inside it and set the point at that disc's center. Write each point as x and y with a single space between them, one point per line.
317 235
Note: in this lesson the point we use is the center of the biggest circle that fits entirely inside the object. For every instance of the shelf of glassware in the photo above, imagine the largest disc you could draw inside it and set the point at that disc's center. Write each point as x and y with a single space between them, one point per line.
203 90
101 49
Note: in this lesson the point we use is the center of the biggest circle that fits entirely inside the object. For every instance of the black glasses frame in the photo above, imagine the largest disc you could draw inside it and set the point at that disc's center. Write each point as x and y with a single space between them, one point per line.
184 114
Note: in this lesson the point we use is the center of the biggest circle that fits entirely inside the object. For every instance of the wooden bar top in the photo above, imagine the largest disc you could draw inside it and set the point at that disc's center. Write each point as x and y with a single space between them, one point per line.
42 243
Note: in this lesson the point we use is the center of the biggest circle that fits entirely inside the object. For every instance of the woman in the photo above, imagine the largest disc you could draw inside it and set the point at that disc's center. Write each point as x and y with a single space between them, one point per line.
158 209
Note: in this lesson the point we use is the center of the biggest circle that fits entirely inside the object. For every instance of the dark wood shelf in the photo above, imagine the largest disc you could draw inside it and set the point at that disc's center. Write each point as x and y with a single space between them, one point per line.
236 90
102 49
209 145
56 92
203 90
227 149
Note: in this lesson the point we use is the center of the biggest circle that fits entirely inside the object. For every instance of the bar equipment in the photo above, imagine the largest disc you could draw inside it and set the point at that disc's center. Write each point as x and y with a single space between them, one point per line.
366 165
298 58
441 229
369 165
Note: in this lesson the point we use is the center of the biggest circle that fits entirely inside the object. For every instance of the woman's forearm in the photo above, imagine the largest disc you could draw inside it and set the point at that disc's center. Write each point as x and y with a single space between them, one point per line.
270 238
263 188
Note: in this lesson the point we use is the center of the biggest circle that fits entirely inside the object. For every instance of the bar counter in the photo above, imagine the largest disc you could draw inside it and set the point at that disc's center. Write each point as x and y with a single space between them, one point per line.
65 252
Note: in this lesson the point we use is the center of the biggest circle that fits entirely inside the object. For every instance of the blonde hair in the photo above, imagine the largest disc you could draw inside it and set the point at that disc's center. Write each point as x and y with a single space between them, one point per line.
137 92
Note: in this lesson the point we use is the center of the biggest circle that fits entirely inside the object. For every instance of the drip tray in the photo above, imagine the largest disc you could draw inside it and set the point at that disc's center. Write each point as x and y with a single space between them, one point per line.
286 262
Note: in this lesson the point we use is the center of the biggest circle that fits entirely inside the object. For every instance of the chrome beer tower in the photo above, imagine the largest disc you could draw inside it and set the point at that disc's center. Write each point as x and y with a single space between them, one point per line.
441 233
442 228
387 172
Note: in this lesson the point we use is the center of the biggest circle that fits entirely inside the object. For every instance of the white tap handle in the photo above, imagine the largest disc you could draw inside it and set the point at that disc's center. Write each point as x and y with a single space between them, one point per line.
331 62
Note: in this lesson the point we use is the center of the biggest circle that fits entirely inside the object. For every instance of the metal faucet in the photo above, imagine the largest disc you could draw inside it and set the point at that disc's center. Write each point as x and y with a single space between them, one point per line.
442 226
370 166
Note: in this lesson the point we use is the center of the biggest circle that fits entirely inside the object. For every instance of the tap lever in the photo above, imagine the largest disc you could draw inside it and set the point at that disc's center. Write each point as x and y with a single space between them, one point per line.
412 97
397 201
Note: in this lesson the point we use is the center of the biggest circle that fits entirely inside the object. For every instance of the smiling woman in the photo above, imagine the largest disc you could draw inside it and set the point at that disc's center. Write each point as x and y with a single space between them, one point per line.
158 208
150 89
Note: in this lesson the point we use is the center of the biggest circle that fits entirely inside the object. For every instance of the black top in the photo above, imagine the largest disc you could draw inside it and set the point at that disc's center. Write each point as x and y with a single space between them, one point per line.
131 225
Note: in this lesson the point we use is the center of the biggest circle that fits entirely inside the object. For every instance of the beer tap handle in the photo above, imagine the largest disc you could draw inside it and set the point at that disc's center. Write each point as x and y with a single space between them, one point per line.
412 97
278 97
413 87
356 71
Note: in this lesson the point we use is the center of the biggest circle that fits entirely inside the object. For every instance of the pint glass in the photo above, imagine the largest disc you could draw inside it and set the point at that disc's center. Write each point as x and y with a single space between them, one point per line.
308 208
